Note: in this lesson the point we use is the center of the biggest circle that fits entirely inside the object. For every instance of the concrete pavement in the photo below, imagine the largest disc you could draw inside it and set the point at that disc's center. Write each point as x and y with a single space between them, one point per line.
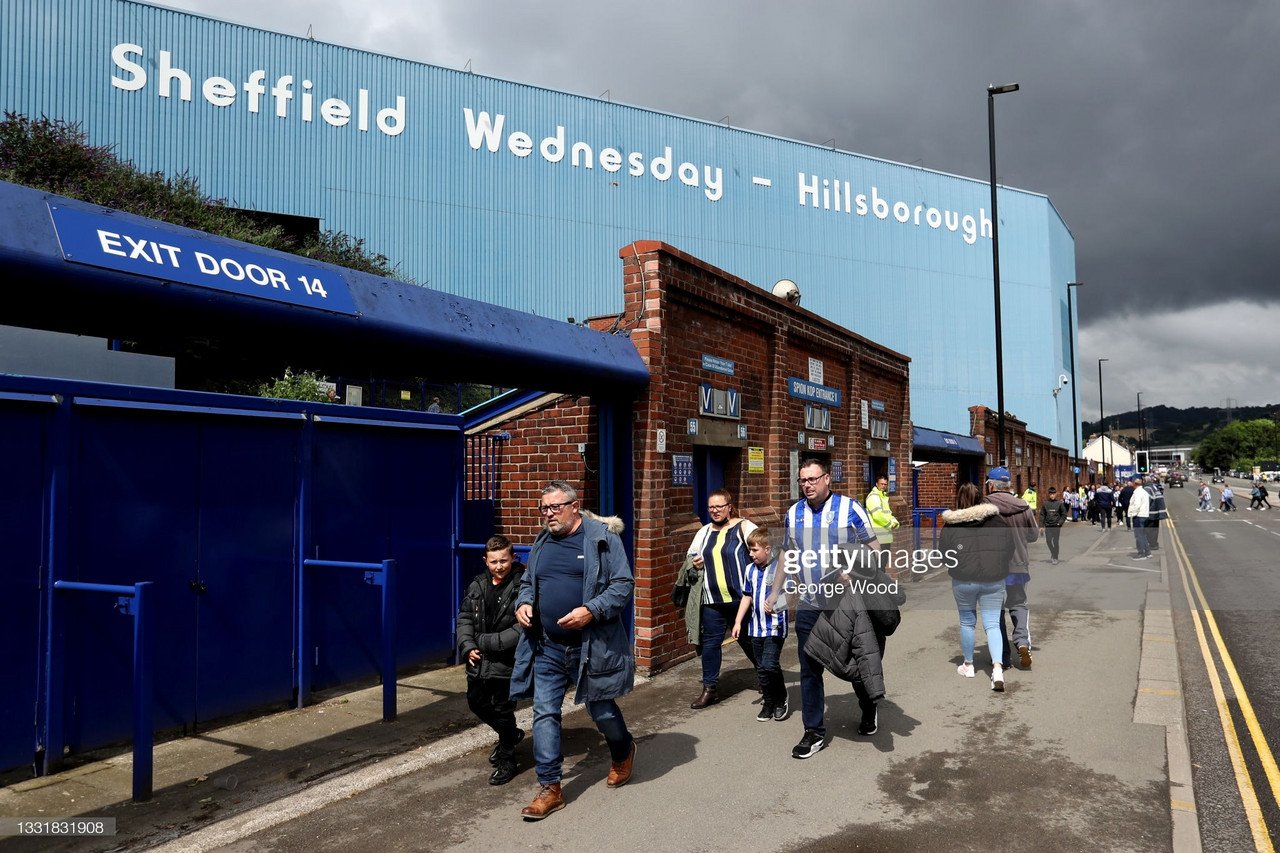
1078 752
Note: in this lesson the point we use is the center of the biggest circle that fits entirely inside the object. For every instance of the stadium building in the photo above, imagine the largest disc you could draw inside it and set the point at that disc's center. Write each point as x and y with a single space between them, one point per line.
522 196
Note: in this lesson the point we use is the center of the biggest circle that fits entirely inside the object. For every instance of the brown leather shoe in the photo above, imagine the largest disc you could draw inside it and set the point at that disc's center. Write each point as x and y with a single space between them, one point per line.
620 771
705 699
1024 657
549 800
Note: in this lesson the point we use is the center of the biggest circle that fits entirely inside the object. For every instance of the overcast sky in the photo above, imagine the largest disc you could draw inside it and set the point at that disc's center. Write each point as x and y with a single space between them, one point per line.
1154 127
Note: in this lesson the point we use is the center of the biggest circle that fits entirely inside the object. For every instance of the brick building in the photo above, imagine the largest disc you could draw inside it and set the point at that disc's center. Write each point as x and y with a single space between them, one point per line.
1032 458
743 386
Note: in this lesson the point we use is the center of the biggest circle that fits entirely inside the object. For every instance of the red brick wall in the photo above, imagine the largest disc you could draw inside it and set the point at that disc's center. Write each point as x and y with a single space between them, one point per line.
544 447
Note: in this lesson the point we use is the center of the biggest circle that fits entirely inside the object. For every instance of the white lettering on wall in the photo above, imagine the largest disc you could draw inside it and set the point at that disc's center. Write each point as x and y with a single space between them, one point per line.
174 82
487 132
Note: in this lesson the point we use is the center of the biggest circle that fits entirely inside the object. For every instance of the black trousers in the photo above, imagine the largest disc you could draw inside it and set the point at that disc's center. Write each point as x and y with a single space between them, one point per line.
489 699
1153 534
1052 535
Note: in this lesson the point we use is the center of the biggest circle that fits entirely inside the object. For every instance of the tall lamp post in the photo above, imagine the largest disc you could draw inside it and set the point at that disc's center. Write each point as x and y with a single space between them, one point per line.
992 91
1142 427
1071 343
1102 417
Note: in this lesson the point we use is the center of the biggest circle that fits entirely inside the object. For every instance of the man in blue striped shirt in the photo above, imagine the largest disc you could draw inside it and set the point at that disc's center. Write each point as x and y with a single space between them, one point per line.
816 526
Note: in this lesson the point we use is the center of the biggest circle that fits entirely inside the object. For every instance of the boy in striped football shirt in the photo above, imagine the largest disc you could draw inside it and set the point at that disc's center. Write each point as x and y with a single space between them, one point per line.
767 628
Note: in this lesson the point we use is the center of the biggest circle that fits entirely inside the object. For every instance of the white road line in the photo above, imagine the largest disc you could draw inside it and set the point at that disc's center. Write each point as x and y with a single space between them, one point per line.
1134 568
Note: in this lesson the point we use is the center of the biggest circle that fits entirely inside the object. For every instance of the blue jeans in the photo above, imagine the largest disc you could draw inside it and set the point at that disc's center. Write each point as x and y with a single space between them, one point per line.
768 669
717 622
813 695
555 672
989 598
1140 536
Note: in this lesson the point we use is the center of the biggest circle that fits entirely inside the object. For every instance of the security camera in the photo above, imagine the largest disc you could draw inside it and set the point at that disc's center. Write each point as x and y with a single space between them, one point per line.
1063 379
788 290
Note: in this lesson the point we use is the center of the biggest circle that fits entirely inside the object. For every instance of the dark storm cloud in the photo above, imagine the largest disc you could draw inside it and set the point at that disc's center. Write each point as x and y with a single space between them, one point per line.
1151 126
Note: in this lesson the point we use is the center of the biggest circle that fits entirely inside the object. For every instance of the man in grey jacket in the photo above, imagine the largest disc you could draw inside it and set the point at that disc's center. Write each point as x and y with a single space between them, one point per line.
573 601
1022 519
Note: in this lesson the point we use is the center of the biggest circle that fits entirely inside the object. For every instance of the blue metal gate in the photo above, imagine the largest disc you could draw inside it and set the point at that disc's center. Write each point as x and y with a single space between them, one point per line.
216 500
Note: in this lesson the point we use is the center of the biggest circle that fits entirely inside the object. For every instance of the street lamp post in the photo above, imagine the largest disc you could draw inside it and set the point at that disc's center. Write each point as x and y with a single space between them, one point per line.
992 91
1071 343
1142 427
1102 417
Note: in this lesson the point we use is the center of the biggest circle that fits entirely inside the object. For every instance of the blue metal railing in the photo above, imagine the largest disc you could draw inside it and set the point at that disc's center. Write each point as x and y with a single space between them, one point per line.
933 514
375 574
132 601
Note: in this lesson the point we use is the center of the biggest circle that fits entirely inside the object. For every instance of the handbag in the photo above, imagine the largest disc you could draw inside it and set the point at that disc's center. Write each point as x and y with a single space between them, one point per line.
680 595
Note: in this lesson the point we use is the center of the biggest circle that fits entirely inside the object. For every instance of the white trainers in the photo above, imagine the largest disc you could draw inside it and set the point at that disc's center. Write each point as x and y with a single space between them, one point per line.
966 669
997 679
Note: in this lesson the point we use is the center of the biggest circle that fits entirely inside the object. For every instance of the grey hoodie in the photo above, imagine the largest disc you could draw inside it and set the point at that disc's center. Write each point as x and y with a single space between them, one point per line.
1018 513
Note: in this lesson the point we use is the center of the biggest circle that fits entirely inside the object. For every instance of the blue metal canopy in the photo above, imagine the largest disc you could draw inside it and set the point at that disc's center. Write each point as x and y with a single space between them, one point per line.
76 267
929 444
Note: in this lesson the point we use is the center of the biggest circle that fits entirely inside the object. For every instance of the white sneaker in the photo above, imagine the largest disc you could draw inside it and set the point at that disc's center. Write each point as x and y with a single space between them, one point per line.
966 669
997 679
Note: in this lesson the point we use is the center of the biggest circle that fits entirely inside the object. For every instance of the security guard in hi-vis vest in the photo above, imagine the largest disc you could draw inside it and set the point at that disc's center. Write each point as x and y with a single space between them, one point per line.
882 520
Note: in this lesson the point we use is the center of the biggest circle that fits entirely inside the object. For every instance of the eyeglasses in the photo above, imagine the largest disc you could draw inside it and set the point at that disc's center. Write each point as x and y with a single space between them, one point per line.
552 509
809 481
718 506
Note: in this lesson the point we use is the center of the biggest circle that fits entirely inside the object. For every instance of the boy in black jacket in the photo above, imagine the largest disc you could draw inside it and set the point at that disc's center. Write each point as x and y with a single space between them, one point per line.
487 637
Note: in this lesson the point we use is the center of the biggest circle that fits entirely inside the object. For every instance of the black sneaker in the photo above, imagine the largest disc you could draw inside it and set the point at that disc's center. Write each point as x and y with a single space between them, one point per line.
766 713
810 745
493 756
869 724
780 711
503 773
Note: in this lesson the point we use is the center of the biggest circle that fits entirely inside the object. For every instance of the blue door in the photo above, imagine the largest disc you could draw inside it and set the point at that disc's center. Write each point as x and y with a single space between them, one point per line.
23 427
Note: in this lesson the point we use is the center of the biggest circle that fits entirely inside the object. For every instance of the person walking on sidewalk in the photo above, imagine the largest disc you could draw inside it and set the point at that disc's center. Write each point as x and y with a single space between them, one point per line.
1139 510
1105 498
1025 530
1122 504
487 638
882 521
719 549
573 599
981 542
1157 513
816 524
766 624
1053 514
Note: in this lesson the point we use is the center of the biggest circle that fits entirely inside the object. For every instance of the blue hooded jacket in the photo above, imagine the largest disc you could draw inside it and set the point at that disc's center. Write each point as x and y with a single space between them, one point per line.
606 668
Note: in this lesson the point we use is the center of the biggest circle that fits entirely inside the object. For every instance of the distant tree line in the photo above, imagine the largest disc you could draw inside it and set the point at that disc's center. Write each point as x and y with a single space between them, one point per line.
1241 444
1168 426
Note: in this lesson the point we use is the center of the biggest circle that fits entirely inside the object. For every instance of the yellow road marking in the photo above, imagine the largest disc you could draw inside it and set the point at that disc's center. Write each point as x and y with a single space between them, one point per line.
1183 805
1248 795
1159 692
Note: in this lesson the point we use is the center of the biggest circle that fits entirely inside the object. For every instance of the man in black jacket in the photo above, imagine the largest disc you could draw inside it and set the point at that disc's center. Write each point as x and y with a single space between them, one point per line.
487 638
1053 513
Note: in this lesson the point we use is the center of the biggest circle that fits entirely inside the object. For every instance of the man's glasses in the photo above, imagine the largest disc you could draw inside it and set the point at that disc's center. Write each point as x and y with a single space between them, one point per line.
809 481
552 509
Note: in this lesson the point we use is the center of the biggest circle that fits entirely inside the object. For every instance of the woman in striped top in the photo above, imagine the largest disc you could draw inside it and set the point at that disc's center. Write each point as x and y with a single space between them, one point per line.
720 550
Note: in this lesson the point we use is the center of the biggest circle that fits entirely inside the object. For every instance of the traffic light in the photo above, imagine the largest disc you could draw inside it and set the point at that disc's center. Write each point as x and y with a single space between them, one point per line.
1144 465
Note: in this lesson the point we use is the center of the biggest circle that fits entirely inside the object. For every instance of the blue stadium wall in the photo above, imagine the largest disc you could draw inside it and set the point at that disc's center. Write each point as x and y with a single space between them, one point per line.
410 157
